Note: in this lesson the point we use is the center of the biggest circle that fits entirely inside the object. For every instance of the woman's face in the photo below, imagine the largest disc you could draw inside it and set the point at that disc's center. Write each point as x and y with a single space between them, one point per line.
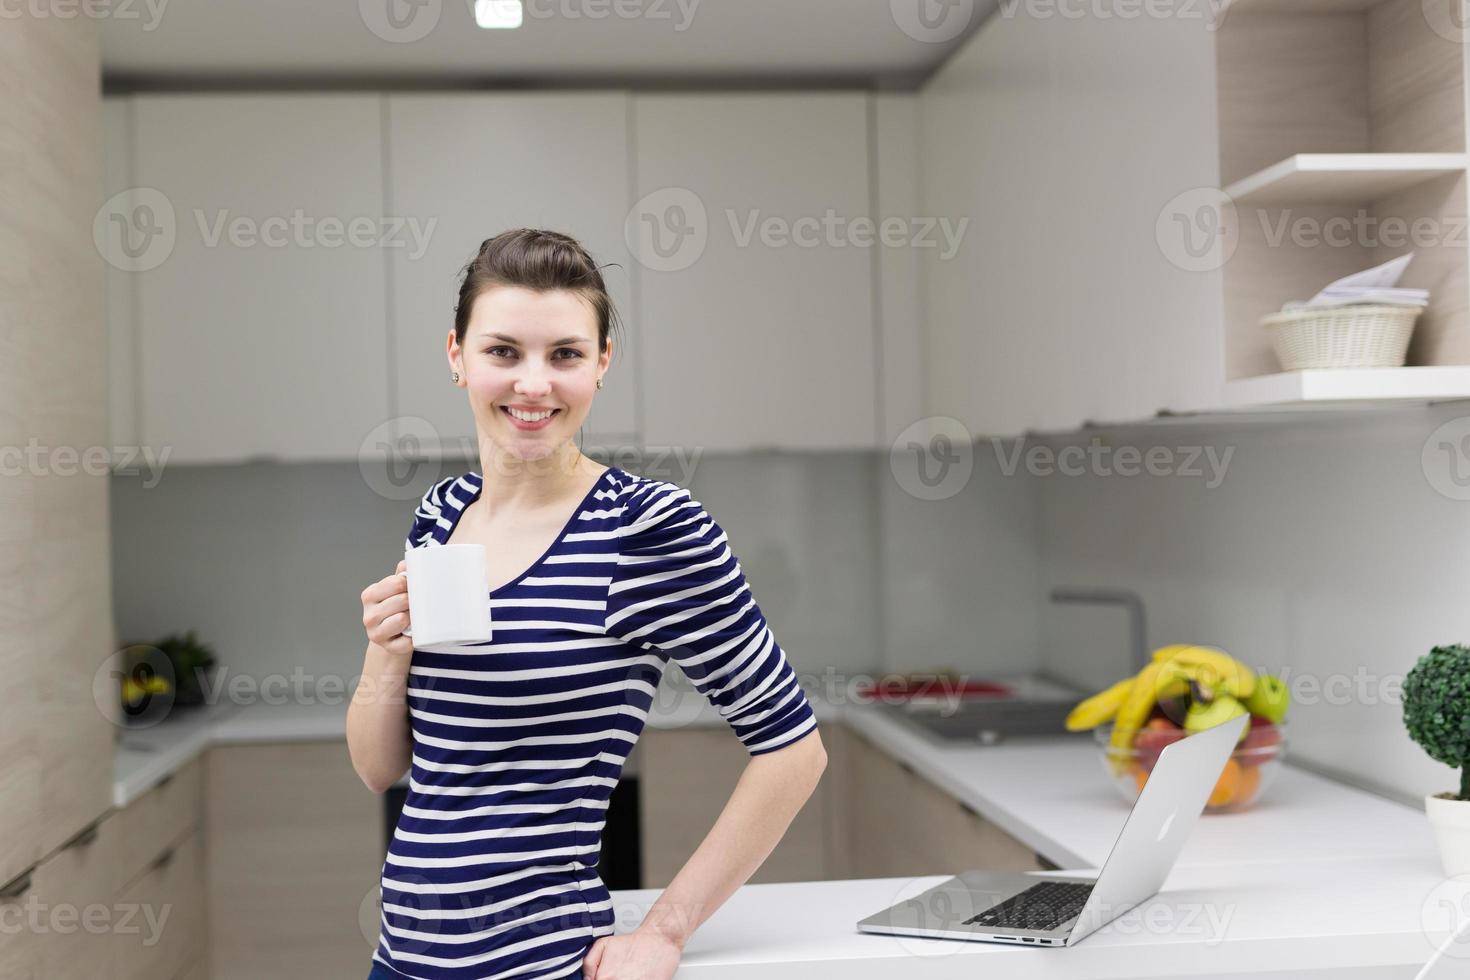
529 350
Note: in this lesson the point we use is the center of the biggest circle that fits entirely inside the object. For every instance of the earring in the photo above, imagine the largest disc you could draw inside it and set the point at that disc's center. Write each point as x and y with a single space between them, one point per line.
599 382
456 377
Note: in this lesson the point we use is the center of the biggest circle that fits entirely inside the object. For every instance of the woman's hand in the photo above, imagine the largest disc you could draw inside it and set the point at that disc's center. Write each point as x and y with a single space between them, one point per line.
643 954
385 613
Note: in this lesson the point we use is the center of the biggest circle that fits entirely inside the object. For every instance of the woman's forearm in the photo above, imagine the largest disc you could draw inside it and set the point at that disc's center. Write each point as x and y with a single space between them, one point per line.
772 789
378 735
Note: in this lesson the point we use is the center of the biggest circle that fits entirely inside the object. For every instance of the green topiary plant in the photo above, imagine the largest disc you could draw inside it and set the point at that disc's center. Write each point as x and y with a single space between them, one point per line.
1437 708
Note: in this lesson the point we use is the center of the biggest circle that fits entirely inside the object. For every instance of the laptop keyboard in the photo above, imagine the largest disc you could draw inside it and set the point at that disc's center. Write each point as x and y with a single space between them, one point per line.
1043 906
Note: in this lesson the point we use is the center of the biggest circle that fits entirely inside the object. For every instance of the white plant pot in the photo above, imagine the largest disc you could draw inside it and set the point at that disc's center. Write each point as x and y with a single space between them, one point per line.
1451 822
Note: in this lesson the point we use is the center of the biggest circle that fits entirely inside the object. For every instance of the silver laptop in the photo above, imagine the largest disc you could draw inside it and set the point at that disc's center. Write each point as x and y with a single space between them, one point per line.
1059 910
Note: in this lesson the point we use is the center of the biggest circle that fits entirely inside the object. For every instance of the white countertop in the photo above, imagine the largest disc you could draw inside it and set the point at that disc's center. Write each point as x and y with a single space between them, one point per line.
1318 876
143 756
1361 919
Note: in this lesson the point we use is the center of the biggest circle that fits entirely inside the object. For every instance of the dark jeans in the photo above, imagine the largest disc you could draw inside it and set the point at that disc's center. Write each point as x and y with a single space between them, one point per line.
381 972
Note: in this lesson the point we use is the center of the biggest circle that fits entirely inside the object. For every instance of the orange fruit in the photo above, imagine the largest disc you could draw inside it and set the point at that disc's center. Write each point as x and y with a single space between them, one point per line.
1140 777
1250 784
1227 786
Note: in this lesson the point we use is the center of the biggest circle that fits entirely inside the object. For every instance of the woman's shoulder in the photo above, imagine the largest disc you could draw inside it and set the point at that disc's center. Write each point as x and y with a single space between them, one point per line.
436 508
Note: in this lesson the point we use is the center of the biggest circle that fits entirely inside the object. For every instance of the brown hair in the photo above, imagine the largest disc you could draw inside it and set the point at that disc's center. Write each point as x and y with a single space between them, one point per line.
535 259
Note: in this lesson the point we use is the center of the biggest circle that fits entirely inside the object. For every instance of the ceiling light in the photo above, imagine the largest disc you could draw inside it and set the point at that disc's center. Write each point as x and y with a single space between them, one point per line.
497 14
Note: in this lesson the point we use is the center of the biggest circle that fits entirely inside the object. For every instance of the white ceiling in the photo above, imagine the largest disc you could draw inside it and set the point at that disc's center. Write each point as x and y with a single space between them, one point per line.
561 42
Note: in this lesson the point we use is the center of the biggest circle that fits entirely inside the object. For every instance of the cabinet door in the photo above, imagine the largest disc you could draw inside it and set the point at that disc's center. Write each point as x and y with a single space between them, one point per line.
75 891
758 324
471 165
122 365
296 846
262 326
166 905
71 636
880 812
20 949
685 779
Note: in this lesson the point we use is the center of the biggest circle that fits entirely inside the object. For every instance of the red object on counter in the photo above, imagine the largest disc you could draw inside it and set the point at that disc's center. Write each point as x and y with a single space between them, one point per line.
902 689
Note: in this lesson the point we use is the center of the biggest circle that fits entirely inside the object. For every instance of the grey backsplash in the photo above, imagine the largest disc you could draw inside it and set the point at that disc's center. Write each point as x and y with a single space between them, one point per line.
1326 552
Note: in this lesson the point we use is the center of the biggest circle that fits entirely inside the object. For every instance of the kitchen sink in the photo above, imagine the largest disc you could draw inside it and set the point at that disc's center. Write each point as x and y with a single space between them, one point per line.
986 720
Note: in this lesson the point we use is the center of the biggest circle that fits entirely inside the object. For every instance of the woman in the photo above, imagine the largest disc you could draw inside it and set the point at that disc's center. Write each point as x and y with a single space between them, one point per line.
598 578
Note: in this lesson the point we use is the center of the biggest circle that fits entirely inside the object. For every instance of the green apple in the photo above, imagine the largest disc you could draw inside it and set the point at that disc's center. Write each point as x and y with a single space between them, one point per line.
1202 715
1270 698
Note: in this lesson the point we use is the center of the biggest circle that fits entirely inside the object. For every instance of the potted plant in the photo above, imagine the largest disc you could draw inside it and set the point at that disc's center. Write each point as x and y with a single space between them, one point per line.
1437 716
170 672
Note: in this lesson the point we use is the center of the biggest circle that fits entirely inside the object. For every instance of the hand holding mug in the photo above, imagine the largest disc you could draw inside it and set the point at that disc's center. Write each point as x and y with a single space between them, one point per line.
385 613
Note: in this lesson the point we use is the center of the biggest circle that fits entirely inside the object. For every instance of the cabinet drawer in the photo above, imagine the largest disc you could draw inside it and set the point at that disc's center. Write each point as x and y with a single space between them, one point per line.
20 949
156 819
74 889
165 906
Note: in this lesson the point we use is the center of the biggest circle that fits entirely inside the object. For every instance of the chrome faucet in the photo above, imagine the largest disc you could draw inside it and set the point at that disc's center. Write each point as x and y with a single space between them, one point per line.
1126 598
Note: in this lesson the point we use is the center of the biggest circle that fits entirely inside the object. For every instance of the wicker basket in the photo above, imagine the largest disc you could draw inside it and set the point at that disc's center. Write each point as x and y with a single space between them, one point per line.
1342 336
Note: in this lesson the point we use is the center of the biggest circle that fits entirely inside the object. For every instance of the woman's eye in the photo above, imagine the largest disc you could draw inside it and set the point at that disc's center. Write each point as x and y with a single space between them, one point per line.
560 350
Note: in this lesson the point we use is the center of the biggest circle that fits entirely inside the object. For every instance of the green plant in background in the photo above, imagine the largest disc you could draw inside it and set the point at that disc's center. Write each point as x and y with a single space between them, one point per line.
177 663
1437 708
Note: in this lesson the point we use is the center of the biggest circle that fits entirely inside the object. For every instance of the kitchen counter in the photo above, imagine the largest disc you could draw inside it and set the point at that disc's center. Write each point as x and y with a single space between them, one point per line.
1318 879
143 756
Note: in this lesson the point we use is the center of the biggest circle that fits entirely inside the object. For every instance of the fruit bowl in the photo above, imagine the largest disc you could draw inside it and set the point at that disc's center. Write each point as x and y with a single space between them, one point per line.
1251 768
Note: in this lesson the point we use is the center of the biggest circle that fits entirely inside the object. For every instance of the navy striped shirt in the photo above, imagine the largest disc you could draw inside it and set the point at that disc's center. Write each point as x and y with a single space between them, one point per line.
518 742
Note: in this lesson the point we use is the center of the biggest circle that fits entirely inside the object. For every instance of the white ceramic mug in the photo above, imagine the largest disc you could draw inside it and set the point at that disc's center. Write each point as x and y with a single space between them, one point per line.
448 594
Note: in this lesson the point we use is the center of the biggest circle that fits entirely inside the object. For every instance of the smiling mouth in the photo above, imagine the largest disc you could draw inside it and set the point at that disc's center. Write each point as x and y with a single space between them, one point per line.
554 413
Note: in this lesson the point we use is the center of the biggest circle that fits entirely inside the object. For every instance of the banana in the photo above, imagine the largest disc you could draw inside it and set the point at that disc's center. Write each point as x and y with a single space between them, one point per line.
1213 668
1098 708
1160 675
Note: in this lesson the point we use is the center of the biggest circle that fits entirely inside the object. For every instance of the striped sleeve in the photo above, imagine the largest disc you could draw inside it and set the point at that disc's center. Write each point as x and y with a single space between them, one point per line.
426 515
678 588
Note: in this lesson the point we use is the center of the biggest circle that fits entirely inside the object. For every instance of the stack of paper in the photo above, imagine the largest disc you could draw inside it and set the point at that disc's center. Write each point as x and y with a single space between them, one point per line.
1375 285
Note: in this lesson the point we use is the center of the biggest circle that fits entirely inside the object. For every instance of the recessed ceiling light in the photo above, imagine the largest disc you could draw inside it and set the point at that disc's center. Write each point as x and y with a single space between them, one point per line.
497 14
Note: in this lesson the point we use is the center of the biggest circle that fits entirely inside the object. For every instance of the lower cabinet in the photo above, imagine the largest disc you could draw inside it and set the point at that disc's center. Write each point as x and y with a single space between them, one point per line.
901 824
871 816
122 900
685 778
295 846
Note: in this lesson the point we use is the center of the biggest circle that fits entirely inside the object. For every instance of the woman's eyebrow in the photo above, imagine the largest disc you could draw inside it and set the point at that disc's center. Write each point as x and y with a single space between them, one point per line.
556 343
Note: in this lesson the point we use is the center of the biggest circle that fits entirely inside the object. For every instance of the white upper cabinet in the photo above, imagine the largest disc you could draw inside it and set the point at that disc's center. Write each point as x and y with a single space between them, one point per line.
261 325
469 166
117 178
1066 303
756 294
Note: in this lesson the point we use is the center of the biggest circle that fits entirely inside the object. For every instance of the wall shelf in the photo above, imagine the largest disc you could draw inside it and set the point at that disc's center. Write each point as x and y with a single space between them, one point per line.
1324 178
1322 388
